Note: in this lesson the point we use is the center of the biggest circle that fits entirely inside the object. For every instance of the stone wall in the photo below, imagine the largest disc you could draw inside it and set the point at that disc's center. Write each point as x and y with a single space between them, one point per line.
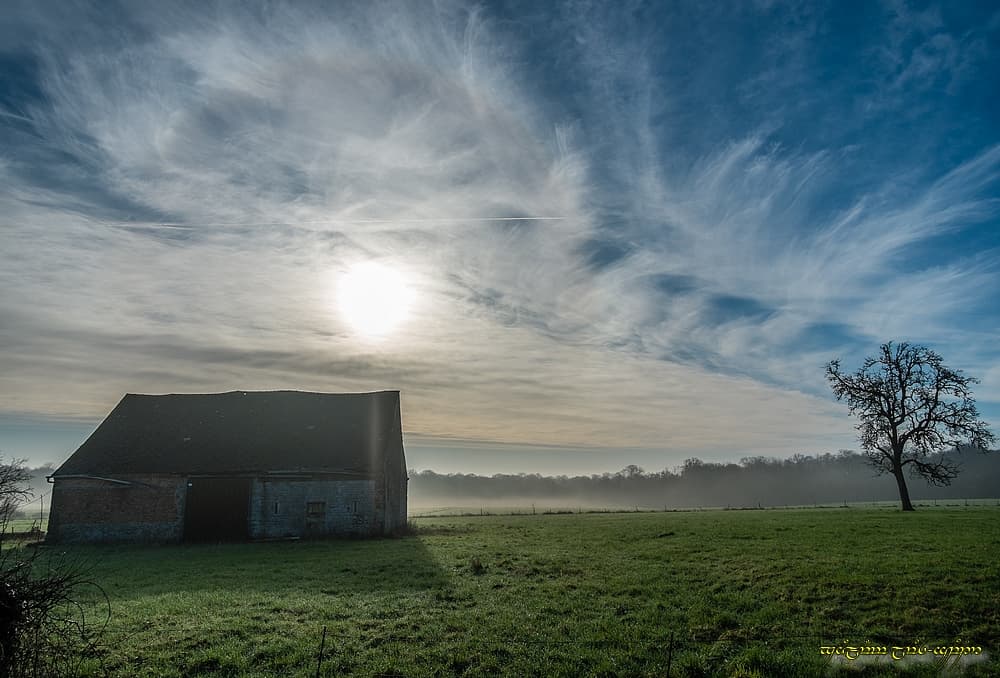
149 509
287 508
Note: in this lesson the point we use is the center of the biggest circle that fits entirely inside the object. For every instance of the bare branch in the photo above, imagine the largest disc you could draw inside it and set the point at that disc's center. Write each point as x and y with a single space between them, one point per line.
939 472
14 490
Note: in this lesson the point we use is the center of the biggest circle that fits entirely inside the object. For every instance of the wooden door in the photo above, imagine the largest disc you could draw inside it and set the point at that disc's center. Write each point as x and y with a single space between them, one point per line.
217 509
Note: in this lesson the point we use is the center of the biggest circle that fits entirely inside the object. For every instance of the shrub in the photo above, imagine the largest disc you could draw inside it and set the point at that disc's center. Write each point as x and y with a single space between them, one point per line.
43 628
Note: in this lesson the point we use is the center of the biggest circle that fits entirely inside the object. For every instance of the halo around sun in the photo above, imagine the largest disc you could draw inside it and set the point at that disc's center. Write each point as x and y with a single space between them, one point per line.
374 299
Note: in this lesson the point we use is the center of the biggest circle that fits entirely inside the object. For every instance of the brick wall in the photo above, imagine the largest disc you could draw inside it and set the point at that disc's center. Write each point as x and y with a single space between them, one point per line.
149 509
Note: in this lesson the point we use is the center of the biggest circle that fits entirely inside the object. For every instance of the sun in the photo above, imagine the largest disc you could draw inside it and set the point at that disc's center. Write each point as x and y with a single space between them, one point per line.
374 299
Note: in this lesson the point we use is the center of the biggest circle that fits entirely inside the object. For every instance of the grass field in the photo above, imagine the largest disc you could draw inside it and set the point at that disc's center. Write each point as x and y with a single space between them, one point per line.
727 593
25 524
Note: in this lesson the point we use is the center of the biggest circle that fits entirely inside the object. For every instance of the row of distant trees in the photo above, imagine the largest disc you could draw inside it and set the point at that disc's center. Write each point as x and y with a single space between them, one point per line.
754 481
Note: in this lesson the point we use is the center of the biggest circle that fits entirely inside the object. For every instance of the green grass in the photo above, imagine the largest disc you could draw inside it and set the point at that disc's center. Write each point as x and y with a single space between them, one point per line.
742 593
25 524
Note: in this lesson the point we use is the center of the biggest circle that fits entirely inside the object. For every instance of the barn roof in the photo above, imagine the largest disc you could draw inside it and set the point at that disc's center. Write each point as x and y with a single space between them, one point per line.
241 432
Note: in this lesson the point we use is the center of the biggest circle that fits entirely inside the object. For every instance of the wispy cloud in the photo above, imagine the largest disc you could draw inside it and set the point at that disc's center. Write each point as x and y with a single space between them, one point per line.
179 200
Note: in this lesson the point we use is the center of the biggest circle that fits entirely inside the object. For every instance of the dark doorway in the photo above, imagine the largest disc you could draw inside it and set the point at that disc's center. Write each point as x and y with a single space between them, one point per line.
217 509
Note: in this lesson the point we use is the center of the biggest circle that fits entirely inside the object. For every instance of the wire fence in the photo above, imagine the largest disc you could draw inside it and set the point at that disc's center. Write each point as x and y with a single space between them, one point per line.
531 509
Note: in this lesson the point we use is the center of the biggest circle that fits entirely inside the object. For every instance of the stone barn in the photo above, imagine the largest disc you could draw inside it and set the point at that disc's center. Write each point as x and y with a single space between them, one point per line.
234 466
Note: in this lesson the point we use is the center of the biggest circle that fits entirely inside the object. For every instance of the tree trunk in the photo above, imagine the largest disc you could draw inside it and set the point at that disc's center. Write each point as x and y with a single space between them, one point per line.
904 494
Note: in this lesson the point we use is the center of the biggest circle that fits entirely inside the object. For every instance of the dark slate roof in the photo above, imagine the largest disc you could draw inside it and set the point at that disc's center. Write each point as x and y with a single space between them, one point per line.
240 432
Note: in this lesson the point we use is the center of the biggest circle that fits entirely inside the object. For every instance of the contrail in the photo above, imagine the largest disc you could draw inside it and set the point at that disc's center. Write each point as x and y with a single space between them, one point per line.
8 114
190 225
167 224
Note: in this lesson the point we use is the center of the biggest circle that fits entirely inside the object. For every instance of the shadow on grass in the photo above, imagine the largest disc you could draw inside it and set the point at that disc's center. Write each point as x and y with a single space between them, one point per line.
329 567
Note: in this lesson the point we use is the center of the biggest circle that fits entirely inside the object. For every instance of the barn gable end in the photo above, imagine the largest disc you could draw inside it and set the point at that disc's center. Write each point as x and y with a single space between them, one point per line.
235 465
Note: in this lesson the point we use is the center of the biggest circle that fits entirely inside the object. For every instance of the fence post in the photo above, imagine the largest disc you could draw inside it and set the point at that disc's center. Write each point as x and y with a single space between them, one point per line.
670 653
319 659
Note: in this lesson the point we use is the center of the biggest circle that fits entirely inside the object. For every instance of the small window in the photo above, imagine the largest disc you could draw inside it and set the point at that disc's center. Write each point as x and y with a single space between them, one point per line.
315 508
277 508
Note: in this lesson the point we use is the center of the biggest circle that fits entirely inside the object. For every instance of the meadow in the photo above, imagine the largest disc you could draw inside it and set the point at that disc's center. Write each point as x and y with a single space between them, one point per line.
696 593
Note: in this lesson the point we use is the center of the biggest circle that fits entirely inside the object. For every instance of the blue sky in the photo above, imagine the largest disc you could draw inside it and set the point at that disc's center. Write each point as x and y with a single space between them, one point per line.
714 200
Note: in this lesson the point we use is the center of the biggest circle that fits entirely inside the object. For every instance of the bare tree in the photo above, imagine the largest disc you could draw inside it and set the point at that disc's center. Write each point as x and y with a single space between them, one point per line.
913 411
14 490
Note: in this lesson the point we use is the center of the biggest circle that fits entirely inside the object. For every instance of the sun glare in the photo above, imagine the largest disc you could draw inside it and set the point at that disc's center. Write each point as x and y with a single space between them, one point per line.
374 299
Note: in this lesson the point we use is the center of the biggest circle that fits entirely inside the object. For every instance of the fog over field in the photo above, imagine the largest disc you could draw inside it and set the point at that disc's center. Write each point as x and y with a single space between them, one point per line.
755 481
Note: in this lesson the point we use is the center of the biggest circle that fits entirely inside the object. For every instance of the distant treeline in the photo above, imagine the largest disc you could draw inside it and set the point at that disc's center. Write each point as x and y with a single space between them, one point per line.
754 481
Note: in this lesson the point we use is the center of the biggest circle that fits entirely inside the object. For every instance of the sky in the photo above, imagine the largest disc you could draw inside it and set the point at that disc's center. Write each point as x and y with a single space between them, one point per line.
574 235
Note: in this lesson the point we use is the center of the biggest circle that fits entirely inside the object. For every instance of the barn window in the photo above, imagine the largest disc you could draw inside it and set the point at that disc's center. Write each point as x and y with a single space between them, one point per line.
277 508
315 508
